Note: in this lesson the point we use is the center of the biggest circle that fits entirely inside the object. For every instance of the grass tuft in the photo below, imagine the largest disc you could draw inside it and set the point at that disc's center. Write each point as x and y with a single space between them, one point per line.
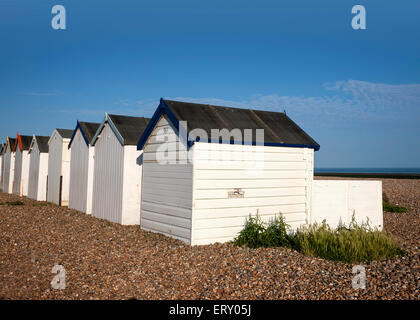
389 207
15 203
353 244
356 244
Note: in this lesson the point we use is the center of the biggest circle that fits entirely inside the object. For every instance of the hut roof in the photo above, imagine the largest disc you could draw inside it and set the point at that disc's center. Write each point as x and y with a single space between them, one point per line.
279 129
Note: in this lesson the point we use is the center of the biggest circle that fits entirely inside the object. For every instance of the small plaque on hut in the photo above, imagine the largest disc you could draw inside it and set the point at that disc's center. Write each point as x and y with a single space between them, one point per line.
236 193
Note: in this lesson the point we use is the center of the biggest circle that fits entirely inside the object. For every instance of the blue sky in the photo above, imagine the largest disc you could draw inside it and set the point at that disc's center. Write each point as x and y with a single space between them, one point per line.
356 92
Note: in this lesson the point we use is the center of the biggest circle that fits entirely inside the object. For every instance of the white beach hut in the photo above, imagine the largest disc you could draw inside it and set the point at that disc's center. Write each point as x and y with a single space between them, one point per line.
81 166
38 168
21 174
59 167
2 147
230 174
9 165
117 169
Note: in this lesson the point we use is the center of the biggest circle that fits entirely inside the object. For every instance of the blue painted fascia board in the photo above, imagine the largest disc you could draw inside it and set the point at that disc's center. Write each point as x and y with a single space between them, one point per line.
108 120
78 126
164 109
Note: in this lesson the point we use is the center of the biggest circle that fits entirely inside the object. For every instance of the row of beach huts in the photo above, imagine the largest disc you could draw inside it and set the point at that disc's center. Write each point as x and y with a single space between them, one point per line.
114 170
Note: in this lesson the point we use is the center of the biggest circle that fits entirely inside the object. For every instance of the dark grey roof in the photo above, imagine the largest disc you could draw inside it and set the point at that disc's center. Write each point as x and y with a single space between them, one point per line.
65 133
278 127
26 142
130 128
89 128
12 143
42 142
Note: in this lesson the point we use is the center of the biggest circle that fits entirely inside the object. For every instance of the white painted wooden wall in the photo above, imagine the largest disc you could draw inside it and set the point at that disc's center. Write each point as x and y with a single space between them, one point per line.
131 186
58 165
273 180
1 171
108 177
66 173
79 173
9 170
337 200
54 169
21 174
6 170
167 189
38 171
18 172
90 179
34 172
42 178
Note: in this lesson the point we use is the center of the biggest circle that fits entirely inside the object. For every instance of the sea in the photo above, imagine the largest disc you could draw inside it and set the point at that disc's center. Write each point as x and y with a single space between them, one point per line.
369 170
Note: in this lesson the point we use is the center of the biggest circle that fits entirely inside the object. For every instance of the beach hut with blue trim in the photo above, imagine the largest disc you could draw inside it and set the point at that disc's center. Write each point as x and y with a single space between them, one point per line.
58 180
38 168
2 148
8 165
207 168
21 173
118 169
81 166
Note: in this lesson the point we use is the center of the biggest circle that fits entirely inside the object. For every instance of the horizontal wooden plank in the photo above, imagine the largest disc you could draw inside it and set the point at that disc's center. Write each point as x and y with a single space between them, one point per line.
204 238
165 147
165 157
169 199
249 192
247 174
159 168
200 242
166 229
168 175
247 156
248 183
156 188
163 180
217 233
241 165
166 219
240 221
247 202
202 146
205 213
164 209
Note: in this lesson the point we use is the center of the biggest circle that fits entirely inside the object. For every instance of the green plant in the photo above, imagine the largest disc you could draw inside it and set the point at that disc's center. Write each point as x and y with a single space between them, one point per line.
252 234
276 233
389 207
257 234
358 243
352 243
41 204
15 203
393 208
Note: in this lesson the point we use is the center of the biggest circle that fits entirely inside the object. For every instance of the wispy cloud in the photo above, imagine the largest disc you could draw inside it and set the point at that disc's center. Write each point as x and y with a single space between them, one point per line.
343 100
141 108
339 103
